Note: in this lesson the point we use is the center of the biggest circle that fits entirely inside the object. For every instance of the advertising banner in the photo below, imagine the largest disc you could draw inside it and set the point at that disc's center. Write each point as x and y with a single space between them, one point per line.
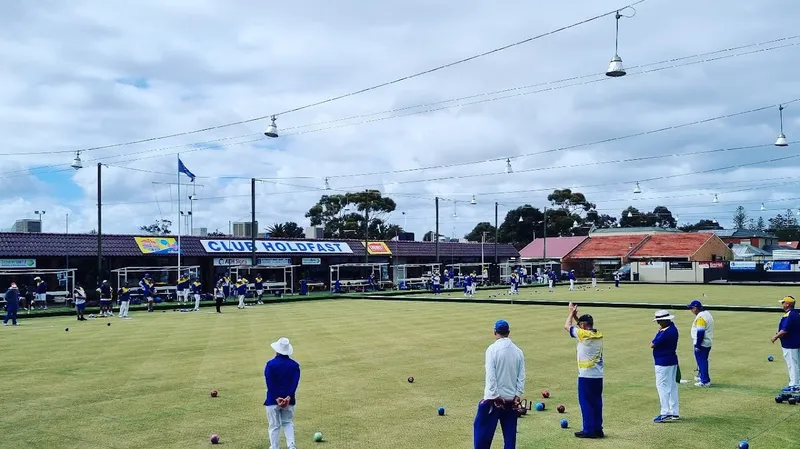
743 265
17 263
275 246
157 245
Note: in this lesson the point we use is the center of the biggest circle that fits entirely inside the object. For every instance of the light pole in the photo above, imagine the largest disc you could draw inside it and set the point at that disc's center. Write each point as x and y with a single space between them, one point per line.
436 232
483 242
40 213
100 223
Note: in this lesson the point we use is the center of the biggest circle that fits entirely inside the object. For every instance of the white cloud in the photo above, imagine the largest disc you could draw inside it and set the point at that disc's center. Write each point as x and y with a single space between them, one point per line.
209 63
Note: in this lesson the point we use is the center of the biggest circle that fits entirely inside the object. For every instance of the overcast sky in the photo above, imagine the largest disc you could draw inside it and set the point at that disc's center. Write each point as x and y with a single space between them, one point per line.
90 73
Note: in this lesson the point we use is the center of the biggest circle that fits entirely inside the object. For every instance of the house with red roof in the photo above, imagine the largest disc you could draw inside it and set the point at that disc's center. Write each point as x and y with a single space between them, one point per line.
680 257
652 257
603 253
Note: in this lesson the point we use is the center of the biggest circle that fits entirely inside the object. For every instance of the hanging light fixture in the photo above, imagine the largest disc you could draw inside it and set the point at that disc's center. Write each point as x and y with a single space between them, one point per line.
455 211
575 224
474 201
630 214
520 219
327 184
615 68
677 218
715 200
762 207
272 129
714 220
77 164
781 142
508 166
637 189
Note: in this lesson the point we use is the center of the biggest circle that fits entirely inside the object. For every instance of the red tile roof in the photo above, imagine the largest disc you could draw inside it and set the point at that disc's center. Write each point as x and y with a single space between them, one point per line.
672 245
794 244
606 247
557 247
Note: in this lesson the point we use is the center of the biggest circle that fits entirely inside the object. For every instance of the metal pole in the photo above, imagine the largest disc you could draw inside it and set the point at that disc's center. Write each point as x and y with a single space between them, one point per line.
436 234
99 224
253 219
67 220
180 214
483 241
496 233
544 243
366 233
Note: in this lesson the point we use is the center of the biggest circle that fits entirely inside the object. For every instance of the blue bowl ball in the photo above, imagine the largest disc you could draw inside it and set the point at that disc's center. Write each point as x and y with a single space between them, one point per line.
564 424
744 445
770 358
539 406
441 411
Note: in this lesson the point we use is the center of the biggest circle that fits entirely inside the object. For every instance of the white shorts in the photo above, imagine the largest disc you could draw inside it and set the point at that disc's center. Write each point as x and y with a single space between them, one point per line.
259 292
41 297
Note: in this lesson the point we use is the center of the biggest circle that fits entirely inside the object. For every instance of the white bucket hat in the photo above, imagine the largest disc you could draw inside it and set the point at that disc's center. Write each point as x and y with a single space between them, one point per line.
282 346
663 315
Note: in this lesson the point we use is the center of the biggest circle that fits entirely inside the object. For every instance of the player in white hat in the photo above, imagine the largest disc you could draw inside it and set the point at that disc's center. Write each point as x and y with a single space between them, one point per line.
665 356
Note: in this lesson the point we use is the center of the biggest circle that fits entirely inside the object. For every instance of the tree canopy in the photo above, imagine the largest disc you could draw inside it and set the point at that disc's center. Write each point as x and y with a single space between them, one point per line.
289 229
159 227
344 215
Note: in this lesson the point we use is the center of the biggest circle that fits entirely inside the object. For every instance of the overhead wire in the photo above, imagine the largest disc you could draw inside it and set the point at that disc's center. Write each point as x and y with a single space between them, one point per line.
17 173
367 89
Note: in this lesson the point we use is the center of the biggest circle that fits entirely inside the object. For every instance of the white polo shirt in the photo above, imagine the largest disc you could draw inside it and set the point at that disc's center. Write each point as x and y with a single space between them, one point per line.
703 320
590 352
505 370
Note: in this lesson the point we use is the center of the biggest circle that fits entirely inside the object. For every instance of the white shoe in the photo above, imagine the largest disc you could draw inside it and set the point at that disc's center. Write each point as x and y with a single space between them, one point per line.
701 384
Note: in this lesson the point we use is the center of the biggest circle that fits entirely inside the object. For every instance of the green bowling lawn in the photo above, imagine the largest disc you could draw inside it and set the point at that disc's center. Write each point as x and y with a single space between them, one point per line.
676 294
146 381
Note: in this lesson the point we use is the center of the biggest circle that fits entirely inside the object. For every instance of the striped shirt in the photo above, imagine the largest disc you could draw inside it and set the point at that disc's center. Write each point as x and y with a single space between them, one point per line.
590 352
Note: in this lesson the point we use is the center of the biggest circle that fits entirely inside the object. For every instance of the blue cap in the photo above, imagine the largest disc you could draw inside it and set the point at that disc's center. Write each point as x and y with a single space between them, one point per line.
695 303
501 326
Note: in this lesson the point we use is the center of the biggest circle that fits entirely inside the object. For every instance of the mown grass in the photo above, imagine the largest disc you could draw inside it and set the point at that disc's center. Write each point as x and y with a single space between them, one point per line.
677 294
146 381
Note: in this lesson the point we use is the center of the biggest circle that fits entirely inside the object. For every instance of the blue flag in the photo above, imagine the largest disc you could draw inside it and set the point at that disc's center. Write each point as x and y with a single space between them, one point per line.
182 169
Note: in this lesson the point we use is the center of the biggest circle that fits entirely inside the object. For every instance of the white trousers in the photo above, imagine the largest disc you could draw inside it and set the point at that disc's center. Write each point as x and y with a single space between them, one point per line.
667 388
451 283
241 300
196 301
280 418
594 282
550 283
792 357
123 308
572 284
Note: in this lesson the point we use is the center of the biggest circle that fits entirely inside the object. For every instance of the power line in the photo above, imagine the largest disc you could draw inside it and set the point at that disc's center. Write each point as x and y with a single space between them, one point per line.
545 189
573 78
17 172
374 87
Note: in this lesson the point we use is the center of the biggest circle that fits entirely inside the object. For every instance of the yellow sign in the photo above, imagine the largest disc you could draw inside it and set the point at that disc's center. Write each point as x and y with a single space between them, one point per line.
157 245
378 248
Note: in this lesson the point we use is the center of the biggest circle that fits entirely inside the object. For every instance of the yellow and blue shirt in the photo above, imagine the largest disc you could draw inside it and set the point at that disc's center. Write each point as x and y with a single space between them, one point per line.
590 352
703 329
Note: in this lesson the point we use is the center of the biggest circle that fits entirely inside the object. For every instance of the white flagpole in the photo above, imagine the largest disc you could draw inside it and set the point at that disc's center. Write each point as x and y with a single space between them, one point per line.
179 218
